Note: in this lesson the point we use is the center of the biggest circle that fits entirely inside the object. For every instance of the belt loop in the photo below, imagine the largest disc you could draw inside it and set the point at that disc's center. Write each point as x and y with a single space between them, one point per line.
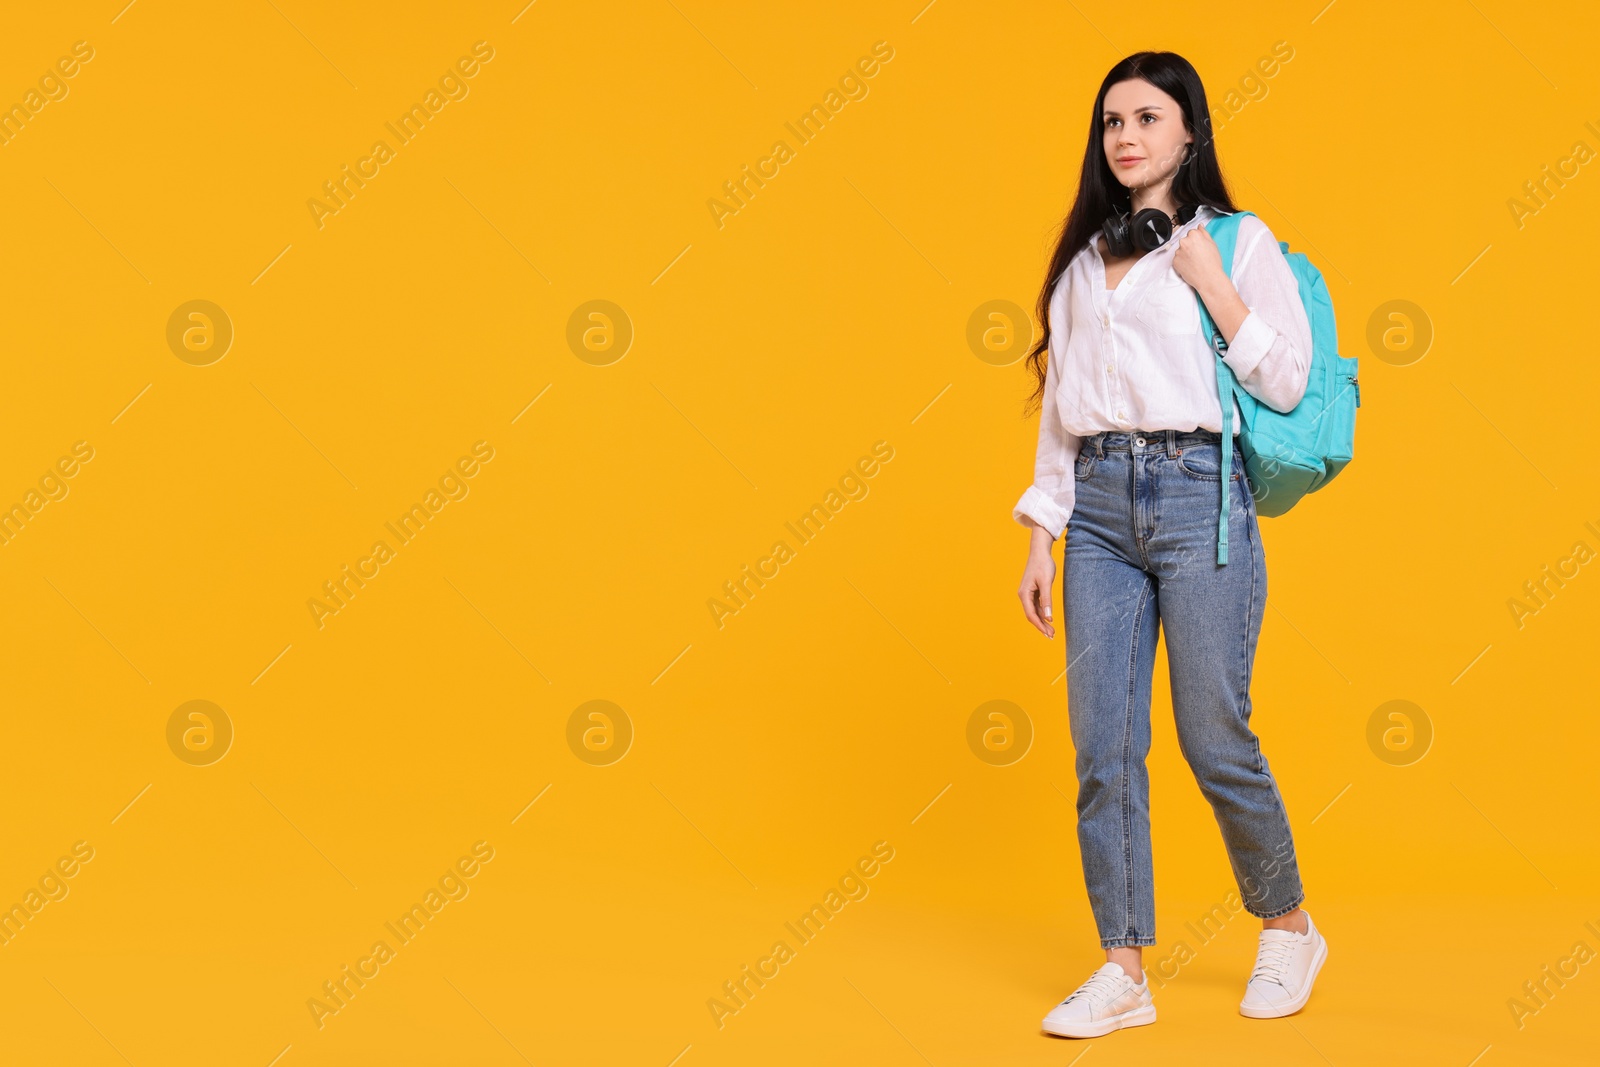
1100 445
1172 443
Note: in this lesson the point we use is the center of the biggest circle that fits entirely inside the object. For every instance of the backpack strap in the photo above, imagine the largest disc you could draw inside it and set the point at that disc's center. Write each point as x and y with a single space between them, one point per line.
1225 232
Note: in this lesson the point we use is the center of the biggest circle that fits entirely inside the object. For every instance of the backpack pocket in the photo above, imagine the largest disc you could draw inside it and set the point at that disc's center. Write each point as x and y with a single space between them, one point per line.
1341 416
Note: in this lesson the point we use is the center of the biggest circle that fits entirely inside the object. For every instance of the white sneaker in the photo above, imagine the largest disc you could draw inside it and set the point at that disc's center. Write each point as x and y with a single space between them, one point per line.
1286 965
1107 1001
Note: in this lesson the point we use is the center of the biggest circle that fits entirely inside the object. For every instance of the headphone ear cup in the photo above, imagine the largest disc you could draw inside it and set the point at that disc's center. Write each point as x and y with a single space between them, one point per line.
1152 228
1118 242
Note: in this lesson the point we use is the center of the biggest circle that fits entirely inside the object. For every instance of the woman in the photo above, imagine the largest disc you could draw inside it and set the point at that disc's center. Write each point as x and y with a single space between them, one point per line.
1131 452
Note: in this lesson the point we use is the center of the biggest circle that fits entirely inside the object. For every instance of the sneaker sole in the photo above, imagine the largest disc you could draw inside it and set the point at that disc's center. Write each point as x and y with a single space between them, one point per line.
1278 1011
1135 1017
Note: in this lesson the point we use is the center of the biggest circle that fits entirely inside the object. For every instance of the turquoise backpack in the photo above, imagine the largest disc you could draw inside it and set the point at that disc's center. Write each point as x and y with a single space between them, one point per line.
1287 454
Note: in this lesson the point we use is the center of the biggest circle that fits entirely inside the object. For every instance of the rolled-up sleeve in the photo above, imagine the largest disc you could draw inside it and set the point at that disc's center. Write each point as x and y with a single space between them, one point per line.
1270 353
1048 501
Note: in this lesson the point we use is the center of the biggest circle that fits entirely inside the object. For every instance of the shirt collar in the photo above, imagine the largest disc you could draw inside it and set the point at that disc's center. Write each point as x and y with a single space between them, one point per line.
1203 213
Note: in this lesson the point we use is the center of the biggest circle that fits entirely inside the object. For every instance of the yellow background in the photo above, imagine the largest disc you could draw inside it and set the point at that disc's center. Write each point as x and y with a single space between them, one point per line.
768 356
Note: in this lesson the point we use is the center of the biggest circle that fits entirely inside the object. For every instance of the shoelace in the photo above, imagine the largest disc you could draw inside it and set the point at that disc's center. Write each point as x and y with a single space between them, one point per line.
1272 959
1098 989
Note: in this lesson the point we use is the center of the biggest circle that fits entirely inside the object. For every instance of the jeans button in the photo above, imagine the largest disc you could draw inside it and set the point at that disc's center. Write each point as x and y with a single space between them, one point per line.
1138 441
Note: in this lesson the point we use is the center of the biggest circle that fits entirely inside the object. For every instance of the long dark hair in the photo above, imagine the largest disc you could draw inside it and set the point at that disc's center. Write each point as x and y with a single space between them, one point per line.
1198 180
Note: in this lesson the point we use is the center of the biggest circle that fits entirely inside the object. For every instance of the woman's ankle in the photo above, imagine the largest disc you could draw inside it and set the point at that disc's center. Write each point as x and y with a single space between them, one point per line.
1130 959
1294 921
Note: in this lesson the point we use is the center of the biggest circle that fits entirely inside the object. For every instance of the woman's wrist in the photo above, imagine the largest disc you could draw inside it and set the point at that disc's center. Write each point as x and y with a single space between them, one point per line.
1227 309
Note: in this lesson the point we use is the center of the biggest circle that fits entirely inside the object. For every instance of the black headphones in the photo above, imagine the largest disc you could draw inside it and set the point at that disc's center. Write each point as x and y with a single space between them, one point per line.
1148 230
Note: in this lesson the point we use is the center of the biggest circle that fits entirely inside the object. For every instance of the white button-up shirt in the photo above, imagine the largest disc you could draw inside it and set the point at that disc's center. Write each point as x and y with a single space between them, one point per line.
1135 357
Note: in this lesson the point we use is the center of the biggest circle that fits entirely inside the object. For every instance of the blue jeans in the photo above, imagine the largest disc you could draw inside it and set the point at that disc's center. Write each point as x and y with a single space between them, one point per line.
1141 555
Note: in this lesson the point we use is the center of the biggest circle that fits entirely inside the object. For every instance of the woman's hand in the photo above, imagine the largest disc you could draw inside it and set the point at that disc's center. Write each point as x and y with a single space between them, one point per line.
1198 260
1038 577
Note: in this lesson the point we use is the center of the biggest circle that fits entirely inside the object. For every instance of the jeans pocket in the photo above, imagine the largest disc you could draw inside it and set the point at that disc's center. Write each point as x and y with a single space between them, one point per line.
1085 464
1203 462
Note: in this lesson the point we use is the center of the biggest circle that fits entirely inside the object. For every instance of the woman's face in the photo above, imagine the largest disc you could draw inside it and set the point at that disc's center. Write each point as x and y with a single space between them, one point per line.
1143 133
